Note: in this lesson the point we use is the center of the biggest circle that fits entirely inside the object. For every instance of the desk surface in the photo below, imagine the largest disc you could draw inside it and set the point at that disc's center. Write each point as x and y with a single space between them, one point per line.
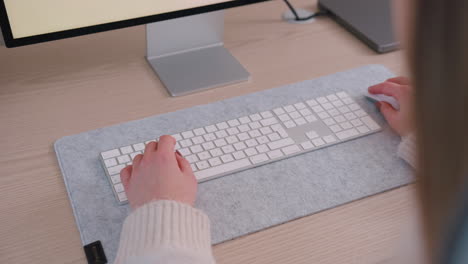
55 89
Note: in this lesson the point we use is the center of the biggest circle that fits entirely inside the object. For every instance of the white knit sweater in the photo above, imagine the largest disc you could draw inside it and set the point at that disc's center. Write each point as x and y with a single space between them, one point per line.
174 233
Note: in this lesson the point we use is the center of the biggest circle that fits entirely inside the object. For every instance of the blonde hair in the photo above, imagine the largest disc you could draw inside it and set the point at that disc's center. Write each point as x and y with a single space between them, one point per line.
439 64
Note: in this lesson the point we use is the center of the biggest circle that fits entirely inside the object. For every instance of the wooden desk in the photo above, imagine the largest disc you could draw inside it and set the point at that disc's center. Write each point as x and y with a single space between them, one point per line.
56 89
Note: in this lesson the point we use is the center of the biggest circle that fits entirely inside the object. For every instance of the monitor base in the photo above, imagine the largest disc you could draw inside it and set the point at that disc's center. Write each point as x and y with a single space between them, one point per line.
188 54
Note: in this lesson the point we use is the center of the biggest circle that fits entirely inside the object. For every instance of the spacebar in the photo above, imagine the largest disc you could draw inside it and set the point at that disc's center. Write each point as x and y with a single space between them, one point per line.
228 167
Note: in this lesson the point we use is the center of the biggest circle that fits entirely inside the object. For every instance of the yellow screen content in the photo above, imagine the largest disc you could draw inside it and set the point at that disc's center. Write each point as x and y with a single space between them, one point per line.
35 17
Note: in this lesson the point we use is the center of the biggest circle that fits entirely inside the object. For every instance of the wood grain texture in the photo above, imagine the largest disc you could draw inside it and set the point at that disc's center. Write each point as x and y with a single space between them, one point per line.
60 88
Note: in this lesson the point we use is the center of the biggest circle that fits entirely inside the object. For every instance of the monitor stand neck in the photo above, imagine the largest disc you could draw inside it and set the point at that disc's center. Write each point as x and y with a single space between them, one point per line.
2 42
188 54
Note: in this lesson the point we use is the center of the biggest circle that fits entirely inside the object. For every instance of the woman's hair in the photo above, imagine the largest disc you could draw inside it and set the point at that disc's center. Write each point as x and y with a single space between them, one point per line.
438 56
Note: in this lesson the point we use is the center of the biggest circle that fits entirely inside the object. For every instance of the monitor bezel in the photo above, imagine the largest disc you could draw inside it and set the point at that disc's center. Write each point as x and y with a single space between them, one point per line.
11 42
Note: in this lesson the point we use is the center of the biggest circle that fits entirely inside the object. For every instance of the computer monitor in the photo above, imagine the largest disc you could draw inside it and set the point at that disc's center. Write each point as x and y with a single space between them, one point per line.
184 37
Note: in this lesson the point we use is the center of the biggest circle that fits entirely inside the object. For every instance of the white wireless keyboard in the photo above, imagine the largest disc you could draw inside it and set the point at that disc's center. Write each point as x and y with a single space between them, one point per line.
249 141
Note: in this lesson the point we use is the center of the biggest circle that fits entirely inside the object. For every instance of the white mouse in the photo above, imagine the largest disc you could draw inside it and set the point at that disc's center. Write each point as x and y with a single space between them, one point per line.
383 98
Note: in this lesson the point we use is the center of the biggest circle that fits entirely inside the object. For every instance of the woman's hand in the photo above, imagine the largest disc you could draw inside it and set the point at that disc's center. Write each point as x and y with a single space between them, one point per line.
400 88
159 174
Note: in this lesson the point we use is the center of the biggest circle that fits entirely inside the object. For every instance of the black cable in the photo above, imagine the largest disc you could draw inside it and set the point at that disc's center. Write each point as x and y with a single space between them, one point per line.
297 18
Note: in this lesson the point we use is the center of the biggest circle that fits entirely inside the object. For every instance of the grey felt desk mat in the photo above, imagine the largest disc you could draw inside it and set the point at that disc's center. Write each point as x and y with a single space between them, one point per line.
254 199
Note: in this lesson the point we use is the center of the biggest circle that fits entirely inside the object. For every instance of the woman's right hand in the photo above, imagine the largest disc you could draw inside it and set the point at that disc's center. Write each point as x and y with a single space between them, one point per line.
400 88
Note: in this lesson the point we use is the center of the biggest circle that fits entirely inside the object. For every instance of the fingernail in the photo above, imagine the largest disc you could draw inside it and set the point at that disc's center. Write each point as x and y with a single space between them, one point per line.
177 152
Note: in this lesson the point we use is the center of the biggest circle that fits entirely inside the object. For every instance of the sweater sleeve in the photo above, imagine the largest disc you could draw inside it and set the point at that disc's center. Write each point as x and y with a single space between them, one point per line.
407 150
165 232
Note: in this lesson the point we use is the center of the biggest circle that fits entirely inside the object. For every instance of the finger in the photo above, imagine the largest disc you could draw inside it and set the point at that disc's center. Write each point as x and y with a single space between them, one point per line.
184 165
387 88
137 160
166 144
125 175
151 147
390 114
400 80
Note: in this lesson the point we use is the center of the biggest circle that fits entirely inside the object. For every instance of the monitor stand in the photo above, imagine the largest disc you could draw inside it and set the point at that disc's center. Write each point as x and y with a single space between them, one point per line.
188 54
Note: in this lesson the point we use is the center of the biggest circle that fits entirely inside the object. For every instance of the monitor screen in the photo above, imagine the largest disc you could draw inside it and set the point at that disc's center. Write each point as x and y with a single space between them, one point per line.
31 21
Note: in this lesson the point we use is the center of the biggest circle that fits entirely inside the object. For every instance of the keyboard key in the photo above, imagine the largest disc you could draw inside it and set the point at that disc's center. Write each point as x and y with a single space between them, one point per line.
208 145
335 128
305 112
280 143
307 145
312 103
360 113
340 119
269 121
337 103
329 139
348 100
240 146
322 100
198 140
251 152
291 149
333 112
300 121
300 106
345 134
199 131
244 120
329 121
115 178
323 115
284 117
216 152
275 154
239 155
354 107
279 111
186 143
243 128
194 167
110 162
317 109
126 150
205 155
192 158
356 122
363 129
318 142
327 106
332 97
312 134
211 128
184 151
221 134
110 154
209 137
255 117
346 125
251 142
196 149
263 140
289 108
115 169
134 154
370 123
289 124
228 149
187 134
342 95
227 158
294 115
311 118
255 125
220 142
262 148
123 159
234 122
273 137
350 116
215 161
139 147
122 196
203 165
225 168
266 114
243 136
255 133
259 158
343 109
222 125
119 187
266 130
177 137
232 139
